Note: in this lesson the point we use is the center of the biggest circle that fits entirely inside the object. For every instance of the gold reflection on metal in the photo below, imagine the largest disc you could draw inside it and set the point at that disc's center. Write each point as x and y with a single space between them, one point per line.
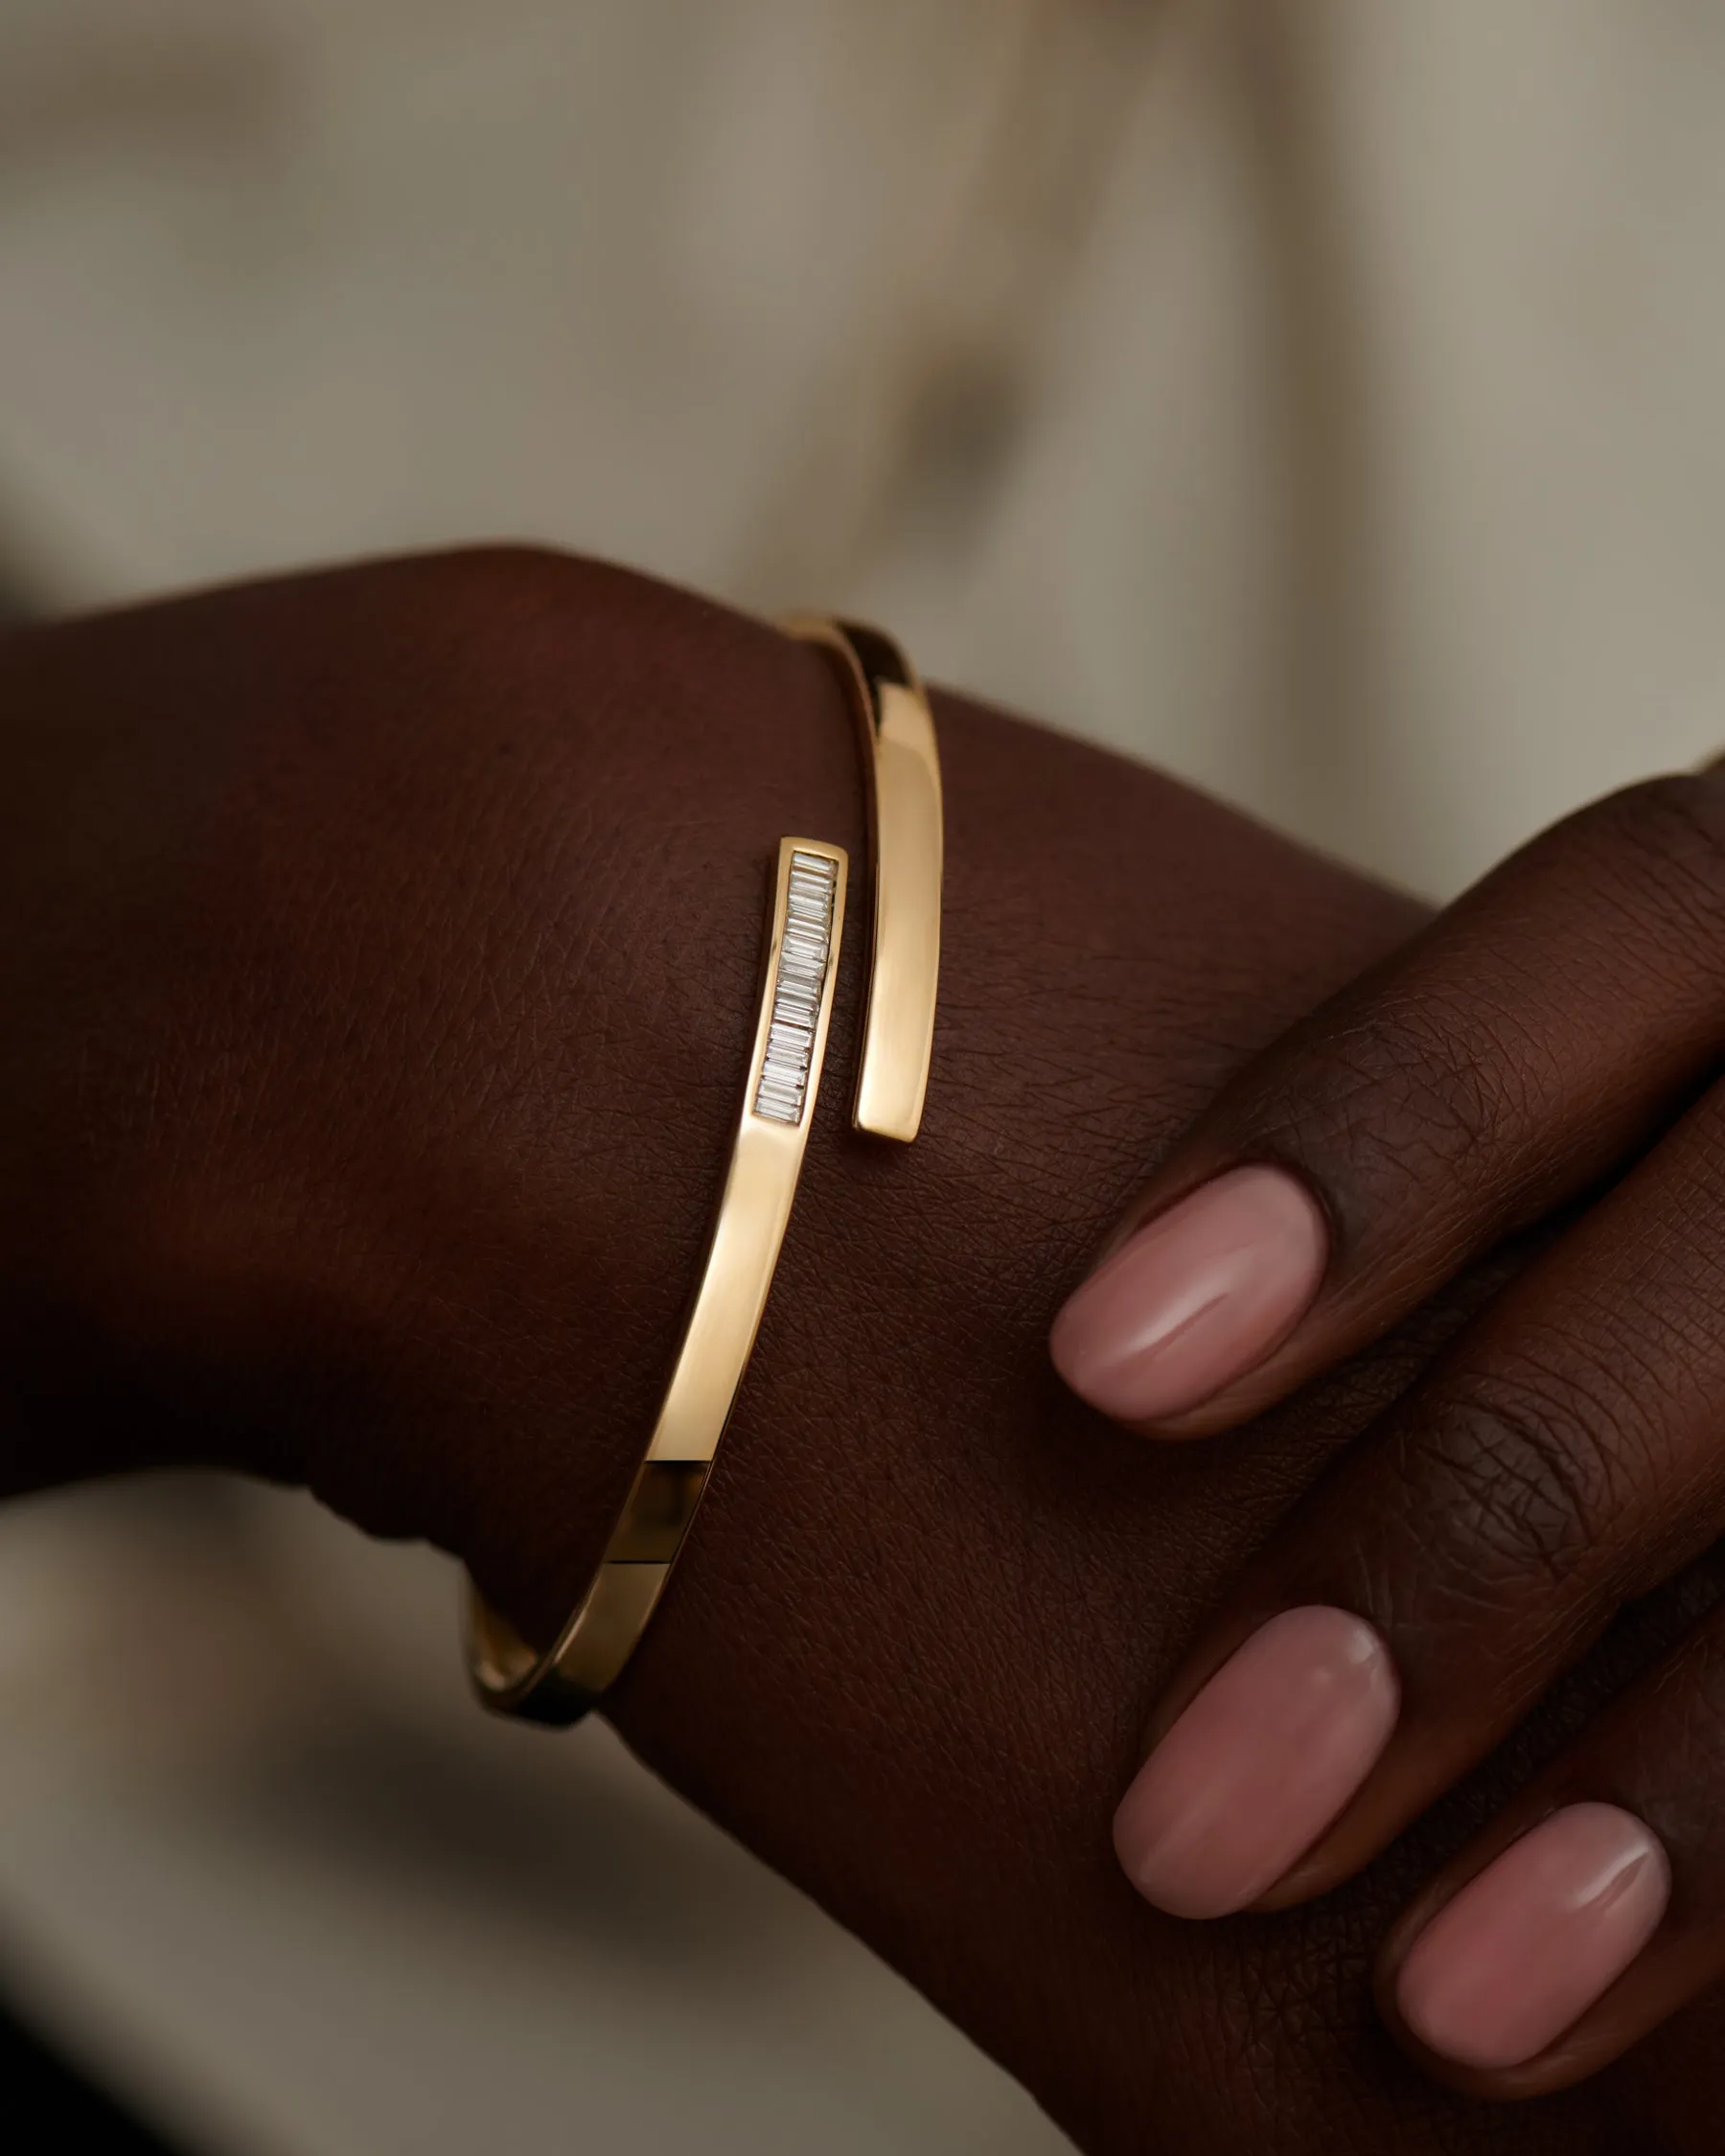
784 1078
903 763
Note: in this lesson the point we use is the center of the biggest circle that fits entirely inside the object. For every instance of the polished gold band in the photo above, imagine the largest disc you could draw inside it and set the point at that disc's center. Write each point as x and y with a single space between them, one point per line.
767 1156
902 766
902 771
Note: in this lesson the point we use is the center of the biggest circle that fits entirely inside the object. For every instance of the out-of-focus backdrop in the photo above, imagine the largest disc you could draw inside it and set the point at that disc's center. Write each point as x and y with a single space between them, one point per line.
1318 397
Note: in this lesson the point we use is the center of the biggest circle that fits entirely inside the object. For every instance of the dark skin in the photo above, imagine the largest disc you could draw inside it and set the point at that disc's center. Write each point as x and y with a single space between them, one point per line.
1549 1043
383 960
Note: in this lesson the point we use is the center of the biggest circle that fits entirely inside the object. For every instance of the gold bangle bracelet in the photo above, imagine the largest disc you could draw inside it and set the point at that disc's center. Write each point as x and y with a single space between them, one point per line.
784 1078
902 768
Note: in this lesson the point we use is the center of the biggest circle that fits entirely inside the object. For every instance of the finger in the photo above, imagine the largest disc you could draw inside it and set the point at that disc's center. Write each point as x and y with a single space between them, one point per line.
1529 1041
1590 1911
1562 1457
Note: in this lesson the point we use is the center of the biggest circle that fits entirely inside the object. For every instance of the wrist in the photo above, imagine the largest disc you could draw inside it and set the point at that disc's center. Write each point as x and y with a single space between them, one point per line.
388 1148
392 937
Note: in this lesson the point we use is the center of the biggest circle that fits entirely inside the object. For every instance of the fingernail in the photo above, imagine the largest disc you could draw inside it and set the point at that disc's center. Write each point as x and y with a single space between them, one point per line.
1259 1763
1526 1947
1200 1295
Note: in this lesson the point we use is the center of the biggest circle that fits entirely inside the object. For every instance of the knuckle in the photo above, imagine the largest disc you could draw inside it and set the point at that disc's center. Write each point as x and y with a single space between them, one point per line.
1526 1471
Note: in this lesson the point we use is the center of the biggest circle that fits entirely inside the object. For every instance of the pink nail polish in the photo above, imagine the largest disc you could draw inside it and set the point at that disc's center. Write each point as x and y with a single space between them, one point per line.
1526 1947
1196 1297
1260 1762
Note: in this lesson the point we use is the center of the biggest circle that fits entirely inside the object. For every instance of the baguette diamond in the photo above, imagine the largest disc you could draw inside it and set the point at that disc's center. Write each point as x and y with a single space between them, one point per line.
805 951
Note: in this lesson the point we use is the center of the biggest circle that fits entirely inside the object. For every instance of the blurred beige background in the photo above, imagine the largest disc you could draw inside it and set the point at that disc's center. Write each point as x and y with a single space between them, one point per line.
1316 395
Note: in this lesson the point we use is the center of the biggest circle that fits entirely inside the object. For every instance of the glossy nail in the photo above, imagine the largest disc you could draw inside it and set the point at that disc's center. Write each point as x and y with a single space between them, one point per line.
1526 1947
1200 1295
1260 1762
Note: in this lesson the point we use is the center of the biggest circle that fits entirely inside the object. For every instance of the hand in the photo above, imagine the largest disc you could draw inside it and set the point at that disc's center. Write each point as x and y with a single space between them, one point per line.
380 959
1540 1059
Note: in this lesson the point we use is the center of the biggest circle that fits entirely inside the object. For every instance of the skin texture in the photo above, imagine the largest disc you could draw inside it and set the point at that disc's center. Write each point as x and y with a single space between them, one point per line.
1542 1054
381 967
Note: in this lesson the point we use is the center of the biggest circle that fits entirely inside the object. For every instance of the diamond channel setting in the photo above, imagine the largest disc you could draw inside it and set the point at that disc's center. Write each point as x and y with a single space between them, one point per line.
805 951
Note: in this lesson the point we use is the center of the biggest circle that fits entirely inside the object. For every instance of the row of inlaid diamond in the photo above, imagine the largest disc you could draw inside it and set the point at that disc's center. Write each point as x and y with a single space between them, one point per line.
802 966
